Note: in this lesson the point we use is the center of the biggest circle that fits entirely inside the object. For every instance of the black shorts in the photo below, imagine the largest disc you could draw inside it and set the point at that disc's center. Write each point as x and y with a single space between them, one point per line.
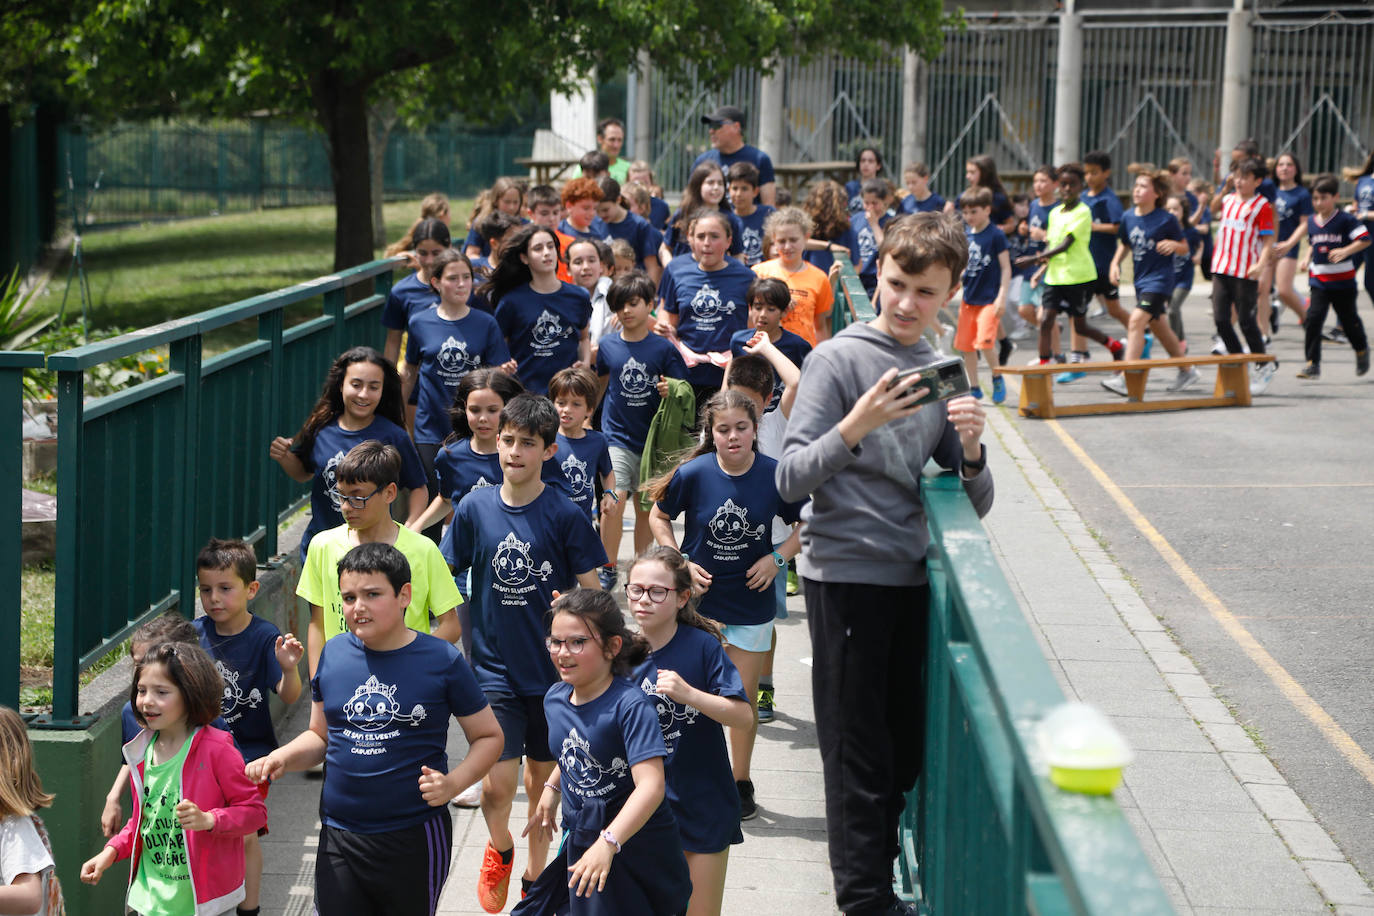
1071 299
396 873
524 726
1156 304
1105 288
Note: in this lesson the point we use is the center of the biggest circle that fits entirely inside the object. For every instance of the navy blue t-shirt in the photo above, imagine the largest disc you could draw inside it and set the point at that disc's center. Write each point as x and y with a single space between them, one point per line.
475 240
584 462
1106 208
247 662
632 370
701 788
983 276
1340 230
643 238
596 743
461 470
1364 198
332 442
1267 189
1018 246
543 330
823 258
728 526
408 296
1184 268
1039 218
518 557
711 307
1290 208
1154 272
932 203
659 211
746 153
751 234
387 716
676 239
867 264
445 351
596 230
793 346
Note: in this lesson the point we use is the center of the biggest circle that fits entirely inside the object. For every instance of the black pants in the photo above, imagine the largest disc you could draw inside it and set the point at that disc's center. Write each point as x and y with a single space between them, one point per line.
1228 291
1342 301
397 873
868 644
428 452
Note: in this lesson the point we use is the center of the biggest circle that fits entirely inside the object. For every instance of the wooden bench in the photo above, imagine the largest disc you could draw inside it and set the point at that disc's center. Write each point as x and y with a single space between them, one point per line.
1232 386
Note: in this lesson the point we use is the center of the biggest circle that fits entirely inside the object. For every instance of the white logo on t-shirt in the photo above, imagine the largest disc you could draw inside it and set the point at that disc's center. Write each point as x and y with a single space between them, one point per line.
707 303
233 694
481 484
669 713
1140 242
576 472
634 377
512 563
548 328
868 245
752 243
730 525
585 771
976 261
454 358
373 707
330 476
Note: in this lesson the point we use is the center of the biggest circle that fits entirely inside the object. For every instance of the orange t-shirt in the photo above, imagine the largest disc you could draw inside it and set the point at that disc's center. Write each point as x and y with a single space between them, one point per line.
563 242
811 295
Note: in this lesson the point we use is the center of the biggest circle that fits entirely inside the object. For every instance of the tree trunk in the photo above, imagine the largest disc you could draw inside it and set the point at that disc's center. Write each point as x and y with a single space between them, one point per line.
342 111
381 121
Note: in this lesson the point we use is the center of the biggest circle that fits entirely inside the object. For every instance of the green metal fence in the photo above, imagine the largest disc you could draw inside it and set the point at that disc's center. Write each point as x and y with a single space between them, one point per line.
12 366
169 170
147 475
985 831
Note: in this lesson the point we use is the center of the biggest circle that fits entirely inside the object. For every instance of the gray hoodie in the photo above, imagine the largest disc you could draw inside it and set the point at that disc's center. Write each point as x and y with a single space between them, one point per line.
865 522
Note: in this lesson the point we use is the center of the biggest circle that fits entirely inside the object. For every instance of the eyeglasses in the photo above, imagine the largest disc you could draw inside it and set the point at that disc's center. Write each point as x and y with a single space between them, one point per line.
357 502
656 593
574 644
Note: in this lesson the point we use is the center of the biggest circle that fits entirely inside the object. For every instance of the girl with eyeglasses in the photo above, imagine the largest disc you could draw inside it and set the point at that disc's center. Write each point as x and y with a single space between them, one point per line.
696 690
621 852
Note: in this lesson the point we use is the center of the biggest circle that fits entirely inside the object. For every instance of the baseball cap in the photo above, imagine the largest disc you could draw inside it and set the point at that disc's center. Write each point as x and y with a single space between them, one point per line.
723 113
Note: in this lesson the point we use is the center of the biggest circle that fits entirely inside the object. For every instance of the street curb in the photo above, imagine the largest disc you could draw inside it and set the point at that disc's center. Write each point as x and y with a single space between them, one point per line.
1329 871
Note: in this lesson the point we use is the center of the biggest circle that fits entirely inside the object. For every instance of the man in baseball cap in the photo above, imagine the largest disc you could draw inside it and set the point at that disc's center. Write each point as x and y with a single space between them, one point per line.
726 126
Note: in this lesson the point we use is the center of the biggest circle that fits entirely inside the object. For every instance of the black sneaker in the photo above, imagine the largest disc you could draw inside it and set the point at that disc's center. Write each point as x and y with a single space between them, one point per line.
1361 362
898 908
748 808
1311 371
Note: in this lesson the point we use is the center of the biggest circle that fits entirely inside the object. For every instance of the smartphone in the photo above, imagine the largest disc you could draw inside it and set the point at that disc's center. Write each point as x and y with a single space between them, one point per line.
943 379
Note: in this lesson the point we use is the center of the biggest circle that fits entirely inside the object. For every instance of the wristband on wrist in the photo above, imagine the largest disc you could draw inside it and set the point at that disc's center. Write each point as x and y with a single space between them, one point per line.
610 838
982 461
549 785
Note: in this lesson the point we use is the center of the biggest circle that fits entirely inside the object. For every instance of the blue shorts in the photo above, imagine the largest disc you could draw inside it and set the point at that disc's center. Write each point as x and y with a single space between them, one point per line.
524 726
749 638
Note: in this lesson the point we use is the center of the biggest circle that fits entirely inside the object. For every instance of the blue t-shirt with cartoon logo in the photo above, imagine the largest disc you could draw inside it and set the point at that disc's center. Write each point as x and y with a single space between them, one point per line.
751 234
543 330
1105 208
983 275
641 236
701 788
407 298
247 663
867 265
793 346
461 470
728 526
387 715
711 307
332 442
444 351
632 369
518 557
584 461
1154 271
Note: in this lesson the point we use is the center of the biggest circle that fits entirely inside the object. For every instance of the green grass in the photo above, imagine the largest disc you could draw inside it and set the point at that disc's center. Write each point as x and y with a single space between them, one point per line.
143 275
36 615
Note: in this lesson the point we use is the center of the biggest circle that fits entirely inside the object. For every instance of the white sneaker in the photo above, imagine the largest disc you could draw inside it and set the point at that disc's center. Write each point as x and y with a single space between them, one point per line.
1218 348
471 797
1115 384
1260 378
1186 378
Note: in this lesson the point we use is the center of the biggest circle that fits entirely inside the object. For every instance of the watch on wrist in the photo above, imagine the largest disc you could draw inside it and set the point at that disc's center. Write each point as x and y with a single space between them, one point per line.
778 561
982 461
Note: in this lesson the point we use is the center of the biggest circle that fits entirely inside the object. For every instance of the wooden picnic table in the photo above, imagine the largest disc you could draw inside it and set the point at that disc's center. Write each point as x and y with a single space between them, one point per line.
546 171
792 175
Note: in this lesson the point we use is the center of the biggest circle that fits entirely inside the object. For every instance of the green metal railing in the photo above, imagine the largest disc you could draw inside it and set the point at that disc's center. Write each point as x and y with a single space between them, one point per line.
985 831
12 366
147 475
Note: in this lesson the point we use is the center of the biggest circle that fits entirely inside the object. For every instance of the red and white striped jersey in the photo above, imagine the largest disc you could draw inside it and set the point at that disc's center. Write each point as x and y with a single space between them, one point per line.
1242 224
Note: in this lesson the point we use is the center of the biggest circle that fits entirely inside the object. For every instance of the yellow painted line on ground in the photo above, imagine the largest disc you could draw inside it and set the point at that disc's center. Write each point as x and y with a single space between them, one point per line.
1336 736
1239 486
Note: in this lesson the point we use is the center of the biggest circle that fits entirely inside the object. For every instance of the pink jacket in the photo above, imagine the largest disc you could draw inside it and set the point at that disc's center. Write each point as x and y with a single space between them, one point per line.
213 778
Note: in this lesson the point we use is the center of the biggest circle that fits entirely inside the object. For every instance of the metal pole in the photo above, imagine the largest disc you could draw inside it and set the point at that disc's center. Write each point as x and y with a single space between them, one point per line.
915 106
1068 86
771 111
1235 79
644 109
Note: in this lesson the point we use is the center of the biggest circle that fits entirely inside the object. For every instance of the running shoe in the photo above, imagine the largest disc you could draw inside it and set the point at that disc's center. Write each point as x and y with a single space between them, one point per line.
748 808
1115 384
765 703
493 881
793 586
1361 362
1260 378
1310 371
471 797
1064 378
976 392
606 575
1149 345
1187 377
1098 311
1335 335
1218 348
999 389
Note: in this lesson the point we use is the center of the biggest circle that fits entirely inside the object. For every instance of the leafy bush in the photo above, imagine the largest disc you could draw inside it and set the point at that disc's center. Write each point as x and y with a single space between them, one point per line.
106 378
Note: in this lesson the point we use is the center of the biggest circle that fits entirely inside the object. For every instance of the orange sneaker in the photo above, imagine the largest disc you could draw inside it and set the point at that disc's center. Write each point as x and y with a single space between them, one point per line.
493 881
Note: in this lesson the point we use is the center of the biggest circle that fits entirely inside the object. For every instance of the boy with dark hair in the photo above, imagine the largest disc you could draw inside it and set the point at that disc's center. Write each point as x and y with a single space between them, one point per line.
630 227
522 541
742 182
253 658
582 452
382 698
366 483
920 198
769 299
632 368
1106 211
857 445
1244 248
493 228
985 282
1335 237
594 164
